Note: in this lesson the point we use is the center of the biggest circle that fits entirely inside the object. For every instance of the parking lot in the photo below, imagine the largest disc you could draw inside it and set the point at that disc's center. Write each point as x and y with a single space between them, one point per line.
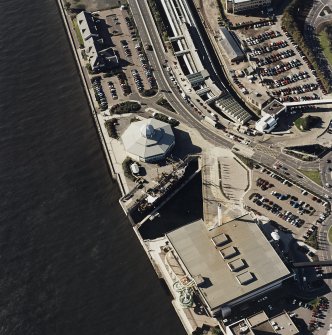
282 70
290 207
135 73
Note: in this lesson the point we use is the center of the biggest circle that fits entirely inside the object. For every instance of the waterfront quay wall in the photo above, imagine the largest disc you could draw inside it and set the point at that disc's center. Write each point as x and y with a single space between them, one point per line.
109 155
84 80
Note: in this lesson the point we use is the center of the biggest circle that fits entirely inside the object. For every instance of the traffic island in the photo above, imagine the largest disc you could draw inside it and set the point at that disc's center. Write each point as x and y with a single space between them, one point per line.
314 175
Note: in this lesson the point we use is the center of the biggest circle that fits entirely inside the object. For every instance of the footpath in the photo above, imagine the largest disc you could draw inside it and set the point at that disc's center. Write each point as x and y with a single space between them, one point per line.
115 167
107 149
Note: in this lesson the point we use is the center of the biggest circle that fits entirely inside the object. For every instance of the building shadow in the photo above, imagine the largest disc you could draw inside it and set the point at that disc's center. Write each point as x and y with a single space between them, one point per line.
183 145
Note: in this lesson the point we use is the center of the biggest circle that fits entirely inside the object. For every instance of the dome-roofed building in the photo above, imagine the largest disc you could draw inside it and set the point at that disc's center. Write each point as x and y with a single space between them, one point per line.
149 140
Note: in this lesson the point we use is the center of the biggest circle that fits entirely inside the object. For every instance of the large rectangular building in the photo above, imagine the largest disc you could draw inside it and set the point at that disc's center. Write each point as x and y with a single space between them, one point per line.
260 324
231 48
98 55
230 264
238 6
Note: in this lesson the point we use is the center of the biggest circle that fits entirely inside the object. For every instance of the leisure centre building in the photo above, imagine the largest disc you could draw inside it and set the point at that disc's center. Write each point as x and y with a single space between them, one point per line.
230 264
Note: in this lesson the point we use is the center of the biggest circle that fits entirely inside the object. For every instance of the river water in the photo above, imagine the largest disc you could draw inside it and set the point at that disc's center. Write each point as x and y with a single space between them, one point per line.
69 260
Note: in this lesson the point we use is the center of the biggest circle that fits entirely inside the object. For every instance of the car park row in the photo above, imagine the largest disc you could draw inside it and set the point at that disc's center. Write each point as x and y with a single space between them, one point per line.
276 209
287 79
318 316
99 93
288 208
262 37
305 60
280 68
273 46
275 57
297 90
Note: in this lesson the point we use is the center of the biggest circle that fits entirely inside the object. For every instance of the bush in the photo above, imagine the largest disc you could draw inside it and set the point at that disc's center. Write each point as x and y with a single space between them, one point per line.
126 107
158 19
89 68
164 118
312 240
111 128
126 168
164 102
149 93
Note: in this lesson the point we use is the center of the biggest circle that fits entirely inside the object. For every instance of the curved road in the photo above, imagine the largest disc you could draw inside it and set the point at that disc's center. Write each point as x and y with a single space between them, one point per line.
262 153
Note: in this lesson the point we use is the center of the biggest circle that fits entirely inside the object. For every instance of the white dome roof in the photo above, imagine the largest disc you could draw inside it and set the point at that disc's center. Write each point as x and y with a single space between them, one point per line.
147 130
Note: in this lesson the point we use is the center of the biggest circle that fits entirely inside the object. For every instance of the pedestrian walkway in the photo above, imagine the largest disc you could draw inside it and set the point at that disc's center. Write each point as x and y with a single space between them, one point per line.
224 182
263 149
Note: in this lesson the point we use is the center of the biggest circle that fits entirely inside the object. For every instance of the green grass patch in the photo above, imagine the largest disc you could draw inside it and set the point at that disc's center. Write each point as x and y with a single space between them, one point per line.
299 123
312 240
308 122
325 44
314 175
78 33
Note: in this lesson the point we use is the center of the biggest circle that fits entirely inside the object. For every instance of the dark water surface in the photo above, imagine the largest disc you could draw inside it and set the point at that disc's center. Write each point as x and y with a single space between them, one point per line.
69 260
185 207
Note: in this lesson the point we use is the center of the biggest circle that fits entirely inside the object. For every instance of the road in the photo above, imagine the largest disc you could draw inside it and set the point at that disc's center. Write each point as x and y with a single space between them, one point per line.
149 34
262 152
313 18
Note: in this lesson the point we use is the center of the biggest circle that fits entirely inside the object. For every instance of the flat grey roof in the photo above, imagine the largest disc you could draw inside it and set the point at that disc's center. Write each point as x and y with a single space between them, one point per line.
257 319
260 324
200 256
229 44
285 324
273 108
220 239
237 264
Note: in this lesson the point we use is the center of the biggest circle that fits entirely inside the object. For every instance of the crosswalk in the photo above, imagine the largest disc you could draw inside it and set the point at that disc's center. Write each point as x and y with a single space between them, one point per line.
263 149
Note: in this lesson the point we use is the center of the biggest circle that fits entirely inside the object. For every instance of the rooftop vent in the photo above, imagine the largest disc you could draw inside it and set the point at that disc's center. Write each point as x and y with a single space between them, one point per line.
246 278
237 265
229 252
220 240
